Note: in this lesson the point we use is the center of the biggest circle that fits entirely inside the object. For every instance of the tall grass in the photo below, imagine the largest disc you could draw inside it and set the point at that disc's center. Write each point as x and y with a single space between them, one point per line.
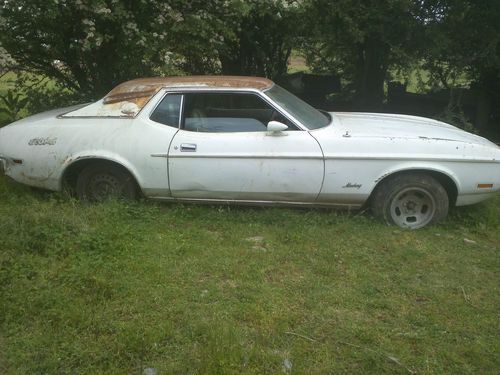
117 288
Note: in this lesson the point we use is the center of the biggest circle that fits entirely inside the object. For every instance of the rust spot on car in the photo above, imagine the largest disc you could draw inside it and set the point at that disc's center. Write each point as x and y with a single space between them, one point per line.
129 96
139 91
128 108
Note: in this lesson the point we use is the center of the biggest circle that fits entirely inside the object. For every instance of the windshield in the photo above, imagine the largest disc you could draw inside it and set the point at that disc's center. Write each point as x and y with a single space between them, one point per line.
303 112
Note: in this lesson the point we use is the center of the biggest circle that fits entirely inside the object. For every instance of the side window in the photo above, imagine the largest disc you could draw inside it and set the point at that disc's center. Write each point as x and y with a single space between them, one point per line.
228 112
168 111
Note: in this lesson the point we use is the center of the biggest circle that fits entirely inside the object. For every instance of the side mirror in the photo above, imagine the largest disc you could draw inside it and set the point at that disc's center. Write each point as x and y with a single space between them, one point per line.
276 127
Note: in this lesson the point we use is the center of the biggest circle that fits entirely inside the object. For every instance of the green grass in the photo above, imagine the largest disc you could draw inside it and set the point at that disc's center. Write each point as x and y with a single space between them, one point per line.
116 288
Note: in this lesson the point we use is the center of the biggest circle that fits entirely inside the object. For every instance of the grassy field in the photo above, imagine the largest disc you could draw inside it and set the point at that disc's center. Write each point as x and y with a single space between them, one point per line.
118 288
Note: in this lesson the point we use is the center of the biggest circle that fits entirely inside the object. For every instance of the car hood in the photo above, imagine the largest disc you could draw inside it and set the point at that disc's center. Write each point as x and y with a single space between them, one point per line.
402 126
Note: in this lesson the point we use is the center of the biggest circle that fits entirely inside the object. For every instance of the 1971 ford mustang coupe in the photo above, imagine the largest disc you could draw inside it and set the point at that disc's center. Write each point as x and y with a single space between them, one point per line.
246 140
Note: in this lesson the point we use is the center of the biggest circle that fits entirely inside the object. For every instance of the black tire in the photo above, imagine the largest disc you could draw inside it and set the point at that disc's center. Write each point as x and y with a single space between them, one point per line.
410 201
101 182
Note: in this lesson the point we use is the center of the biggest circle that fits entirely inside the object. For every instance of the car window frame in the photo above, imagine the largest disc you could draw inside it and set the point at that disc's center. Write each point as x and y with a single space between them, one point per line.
329 117
190 90
181 108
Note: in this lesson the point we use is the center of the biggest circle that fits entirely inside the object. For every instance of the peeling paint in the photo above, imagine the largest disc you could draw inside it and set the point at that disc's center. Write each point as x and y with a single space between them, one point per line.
120 109
140 91
127 99
437 139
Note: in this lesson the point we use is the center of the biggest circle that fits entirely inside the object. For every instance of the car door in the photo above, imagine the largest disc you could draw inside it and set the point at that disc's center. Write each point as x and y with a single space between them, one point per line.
223 151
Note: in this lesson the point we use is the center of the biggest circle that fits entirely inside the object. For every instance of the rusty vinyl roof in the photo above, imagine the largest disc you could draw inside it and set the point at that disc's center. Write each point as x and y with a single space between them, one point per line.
141 90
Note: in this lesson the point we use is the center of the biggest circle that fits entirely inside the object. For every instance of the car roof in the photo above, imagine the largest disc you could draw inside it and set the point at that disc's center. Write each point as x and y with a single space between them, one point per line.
142 89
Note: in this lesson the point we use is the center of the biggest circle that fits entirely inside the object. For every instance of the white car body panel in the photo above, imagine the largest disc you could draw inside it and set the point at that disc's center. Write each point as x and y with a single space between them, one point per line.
246 166
97 109
339 164
361 149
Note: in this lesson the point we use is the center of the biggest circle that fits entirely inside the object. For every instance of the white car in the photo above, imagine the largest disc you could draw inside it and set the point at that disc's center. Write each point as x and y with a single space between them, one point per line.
247 140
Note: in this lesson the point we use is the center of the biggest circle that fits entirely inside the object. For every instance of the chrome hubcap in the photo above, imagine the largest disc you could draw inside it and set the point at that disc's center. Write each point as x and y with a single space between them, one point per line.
413 208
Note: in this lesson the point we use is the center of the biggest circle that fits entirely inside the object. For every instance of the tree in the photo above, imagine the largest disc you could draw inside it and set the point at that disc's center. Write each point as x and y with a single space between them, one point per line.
250 37
361 40
463 46
6 61
87 45
263 39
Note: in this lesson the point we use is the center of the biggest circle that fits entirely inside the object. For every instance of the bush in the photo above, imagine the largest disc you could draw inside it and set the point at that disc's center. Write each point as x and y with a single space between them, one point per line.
28 94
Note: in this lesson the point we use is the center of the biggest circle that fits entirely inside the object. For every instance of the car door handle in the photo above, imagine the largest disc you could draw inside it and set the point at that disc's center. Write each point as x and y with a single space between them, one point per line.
188 147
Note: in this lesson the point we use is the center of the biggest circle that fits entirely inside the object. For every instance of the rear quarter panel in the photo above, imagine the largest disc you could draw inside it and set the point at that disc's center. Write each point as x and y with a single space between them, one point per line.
48 146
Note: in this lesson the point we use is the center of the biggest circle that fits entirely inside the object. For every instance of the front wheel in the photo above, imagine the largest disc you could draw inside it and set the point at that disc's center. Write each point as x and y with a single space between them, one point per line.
101 182
410 201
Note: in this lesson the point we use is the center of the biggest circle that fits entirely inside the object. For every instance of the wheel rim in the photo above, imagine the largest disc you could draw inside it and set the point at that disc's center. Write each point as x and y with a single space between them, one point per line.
413 208
104 186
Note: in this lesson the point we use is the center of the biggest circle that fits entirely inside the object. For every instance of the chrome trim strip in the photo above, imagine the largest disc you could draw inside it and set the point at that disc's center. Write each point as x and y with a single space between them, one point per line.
304 127
151 111
282 111
181 110
159 155
298 157
257 92
63 117
259 203
163 96
294 119
179 156
409 158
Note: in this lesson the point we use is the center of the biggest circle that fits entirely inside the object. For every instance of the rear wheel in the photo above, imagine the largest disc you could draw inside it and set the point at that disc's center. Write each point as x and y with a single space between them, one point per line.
101 182
410 201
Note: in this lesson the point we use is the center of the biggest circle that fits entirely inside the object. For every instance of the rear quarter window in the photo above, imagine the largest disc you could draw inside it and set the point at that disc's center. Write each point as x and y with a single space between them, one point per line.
168 111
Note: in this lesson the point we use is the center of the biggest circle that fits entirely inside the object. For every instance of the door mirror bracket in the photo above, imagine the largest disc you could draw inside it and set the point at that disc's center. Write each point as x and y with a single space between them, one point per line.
276 128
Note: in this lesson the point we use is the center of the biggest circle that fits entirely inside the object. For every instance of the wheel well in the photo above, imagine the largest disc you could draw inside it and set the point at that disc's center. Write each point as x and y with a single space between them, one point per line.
71 173
445 181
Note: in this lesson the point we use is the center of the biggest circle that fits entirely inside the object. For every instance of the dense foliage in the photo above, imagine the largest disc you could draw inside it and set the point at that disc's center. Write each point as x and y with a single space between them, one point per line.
85 45
463 40
88 46
362 40
91 45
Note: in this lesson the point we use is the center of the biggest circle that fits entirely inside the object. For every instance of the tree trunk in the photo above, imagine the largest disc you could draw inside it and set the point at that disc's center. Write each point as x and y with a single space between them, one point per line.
370 75
483 110
488 85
